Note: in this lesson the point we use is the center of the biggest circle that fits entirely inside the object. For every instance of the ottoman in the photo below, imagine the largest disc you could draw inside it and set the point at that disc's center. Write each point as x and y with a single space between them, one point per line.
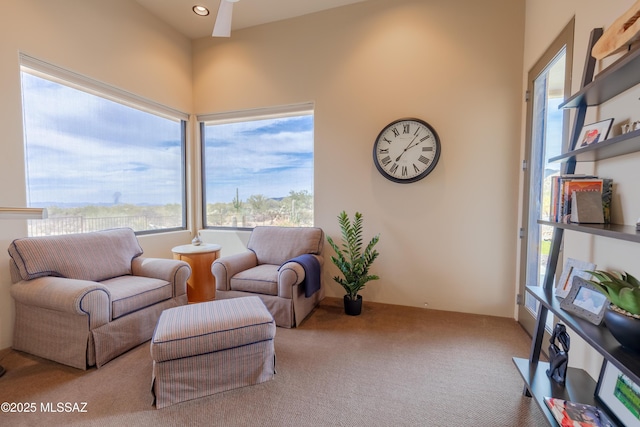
205 348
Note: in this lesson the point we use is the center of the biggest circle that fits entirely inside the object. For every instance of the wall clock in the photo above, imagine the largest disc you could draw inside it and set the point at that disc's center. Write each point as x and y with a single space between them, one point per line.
406 150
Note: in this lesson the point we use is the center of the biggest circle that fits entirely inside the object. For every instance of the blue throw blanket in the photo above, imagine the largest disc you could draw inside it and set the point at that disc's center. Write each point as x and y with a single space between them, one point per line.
311 267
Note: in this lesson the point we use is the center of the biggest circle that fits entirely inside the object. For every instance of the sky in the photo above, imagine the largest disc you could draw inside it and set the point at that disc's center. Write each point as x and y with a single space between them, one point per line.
84 149
263 157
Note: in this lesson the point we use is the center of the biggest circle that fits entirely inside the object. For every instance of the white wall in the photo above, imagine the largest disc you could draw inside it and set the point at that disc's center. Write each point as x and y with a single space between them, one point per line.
113 41
448 240
544 21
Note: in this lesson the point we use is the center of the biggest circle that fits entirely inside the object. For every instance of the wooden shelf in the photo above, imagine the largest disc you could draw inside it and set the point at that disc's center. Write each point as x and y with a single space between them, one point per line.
617 146
579 387
597 337
614 231
610 82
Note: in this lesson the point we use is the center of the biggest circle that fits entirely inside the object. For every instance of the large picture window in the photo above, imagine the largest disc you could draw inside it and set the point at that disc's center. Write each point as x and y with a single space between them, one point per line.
98 163
258 168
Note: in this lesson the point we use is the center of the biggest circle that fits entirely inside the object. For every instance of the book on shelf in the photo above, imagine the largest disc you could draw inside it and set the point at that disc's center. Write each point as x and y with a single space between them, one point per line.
586 207
562 188
573 414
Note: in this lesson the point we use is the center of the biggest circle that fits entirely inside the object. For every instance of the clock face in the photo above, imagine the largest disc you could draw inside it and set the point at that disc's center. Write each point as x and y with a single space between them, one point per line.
406 150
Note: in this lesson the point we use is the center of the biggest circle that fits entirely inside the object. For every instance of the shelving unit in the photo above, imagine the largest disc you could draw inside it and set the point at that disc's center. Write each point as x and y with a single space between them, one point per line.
617 78
617 146
580 387
615 231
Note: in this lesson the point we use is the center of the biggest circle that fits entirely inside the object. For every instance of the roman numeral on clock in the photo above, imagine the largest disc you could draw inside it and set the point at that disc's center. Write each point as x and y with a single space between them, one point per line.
427 148
394 168
415 168
405 172
384 151
405 128
424 160
395 132
385 161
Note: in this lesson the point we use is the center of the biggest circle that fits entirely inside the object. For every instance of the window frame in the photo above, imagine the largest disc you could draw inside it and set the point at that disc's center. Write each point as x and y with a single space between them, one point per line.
70 79
237 116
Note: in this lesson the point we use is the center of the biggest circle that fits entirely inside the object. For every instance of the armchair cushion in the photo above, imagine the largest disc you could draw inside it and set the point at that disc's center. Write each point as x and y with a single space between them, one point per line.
131 293
92 256
262 279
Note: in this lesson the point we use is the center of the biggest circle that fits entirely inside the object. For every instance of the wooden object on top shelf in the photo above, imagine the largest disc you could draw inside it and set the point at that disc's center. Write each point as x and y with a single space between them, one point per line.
623 32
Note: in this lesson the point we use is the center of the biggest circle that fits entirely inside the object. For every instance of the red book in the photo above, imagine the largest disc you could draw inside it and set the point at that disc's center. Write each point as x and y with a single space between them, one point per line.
571 414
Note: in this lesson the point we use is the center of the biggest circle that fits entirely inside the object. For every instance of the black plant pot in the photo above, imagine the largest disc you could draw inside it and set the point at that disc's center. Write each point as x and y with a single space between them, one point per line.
625 329
353 307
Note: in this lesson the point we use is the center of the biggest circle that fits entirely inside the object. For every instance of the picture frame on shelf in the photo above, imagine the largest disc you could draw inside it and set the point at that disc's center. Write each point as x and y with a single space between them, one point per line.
585 301
619 395
594 133
572 268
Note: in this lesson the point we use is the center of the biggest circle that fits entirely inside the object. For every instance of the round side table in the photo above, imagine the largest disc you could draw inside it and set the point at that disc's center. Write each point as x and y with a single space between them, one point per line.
201 286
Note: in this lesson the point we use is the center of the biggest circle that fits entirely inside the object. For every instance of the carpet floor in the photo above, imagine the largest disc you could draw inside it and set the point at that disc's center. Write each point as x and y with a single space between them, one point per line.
390 366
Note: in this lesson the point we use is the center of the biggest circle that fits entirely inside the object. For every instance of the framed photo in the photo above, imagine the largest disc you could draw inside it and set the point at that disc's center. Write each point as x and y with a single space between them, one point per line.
585 301
572 268
619 395
593 133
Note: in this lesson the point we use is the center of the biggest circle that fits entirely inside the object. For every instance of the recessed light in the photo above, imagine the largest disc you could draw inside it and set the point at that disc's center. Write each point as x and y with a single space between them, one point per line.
200 10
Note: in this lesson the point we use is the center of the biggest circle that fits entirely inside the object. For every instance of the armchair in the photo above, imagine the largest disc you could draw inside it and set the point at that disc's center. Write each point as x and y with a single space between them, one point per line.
83 299
268 270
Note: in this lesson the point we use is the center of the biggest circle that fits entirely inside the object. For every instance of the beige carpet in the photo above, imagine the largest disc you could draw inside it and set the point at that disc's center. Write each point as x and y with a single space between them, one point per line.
391 366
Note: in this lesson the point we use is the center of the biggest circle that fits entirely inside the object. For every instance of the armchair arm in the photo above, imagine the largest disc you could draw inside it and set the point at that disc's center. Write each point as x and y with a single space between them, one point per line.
225 268
291 274
81 297
173 271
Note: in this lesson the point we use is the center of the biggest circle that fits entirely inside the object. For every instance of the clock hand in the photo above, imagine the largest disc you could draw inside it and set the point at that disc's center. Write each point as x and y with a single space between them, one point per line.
408 146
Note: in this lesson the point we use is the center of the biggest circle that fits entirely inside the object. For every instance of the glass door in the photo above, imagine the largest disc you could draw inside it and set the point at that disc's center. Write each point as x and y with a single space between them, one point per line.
547 128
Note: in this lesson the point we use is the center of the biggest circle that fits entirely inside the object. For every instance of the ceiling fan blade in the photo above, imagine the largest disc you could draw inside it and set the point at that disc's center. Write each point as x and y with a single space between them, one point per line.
222 27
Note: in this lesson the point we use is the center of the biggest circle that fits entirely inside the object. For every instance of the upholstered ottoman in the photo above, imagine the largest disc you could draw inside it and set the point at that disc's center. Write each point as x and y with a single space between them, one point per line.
205 348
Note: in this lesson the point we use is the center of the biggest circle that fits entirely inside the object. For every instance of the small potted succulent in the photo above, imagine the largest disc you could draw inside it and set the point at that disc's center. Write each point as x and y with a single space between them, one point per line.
353 261
622 317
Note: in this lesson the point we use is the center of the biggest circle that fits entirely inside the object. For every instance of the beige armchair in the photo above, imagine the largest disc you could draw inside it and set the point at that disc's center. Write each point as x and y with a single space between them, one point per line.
83 299
279 268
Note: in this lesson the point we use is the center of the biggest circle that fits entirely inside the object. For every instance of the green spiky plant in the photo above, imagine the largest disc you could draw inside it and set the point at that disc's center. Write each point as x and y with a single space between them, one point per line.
621 288
351 259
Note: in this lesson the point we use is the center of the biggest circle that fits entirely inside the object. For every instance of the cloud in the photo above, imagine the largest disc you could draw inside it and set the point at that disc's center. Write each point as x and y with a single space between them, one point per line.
268 157
81 149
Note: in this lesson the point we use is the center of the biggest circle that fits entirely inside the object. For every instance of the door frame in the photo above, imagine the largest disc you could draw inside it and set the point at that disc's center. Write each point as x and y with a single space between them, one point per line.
563 40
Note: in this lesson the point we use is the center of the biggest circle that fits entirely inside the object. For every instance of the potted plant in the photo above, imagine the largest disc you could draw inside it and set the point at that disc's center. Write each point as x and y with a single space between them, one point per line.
353 261
623 314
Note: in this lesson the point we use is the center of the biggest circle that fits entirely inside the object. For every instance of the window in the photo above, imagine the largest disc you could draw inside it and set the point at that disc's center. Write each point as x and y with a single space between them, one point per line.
547 126
258 168
99 158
